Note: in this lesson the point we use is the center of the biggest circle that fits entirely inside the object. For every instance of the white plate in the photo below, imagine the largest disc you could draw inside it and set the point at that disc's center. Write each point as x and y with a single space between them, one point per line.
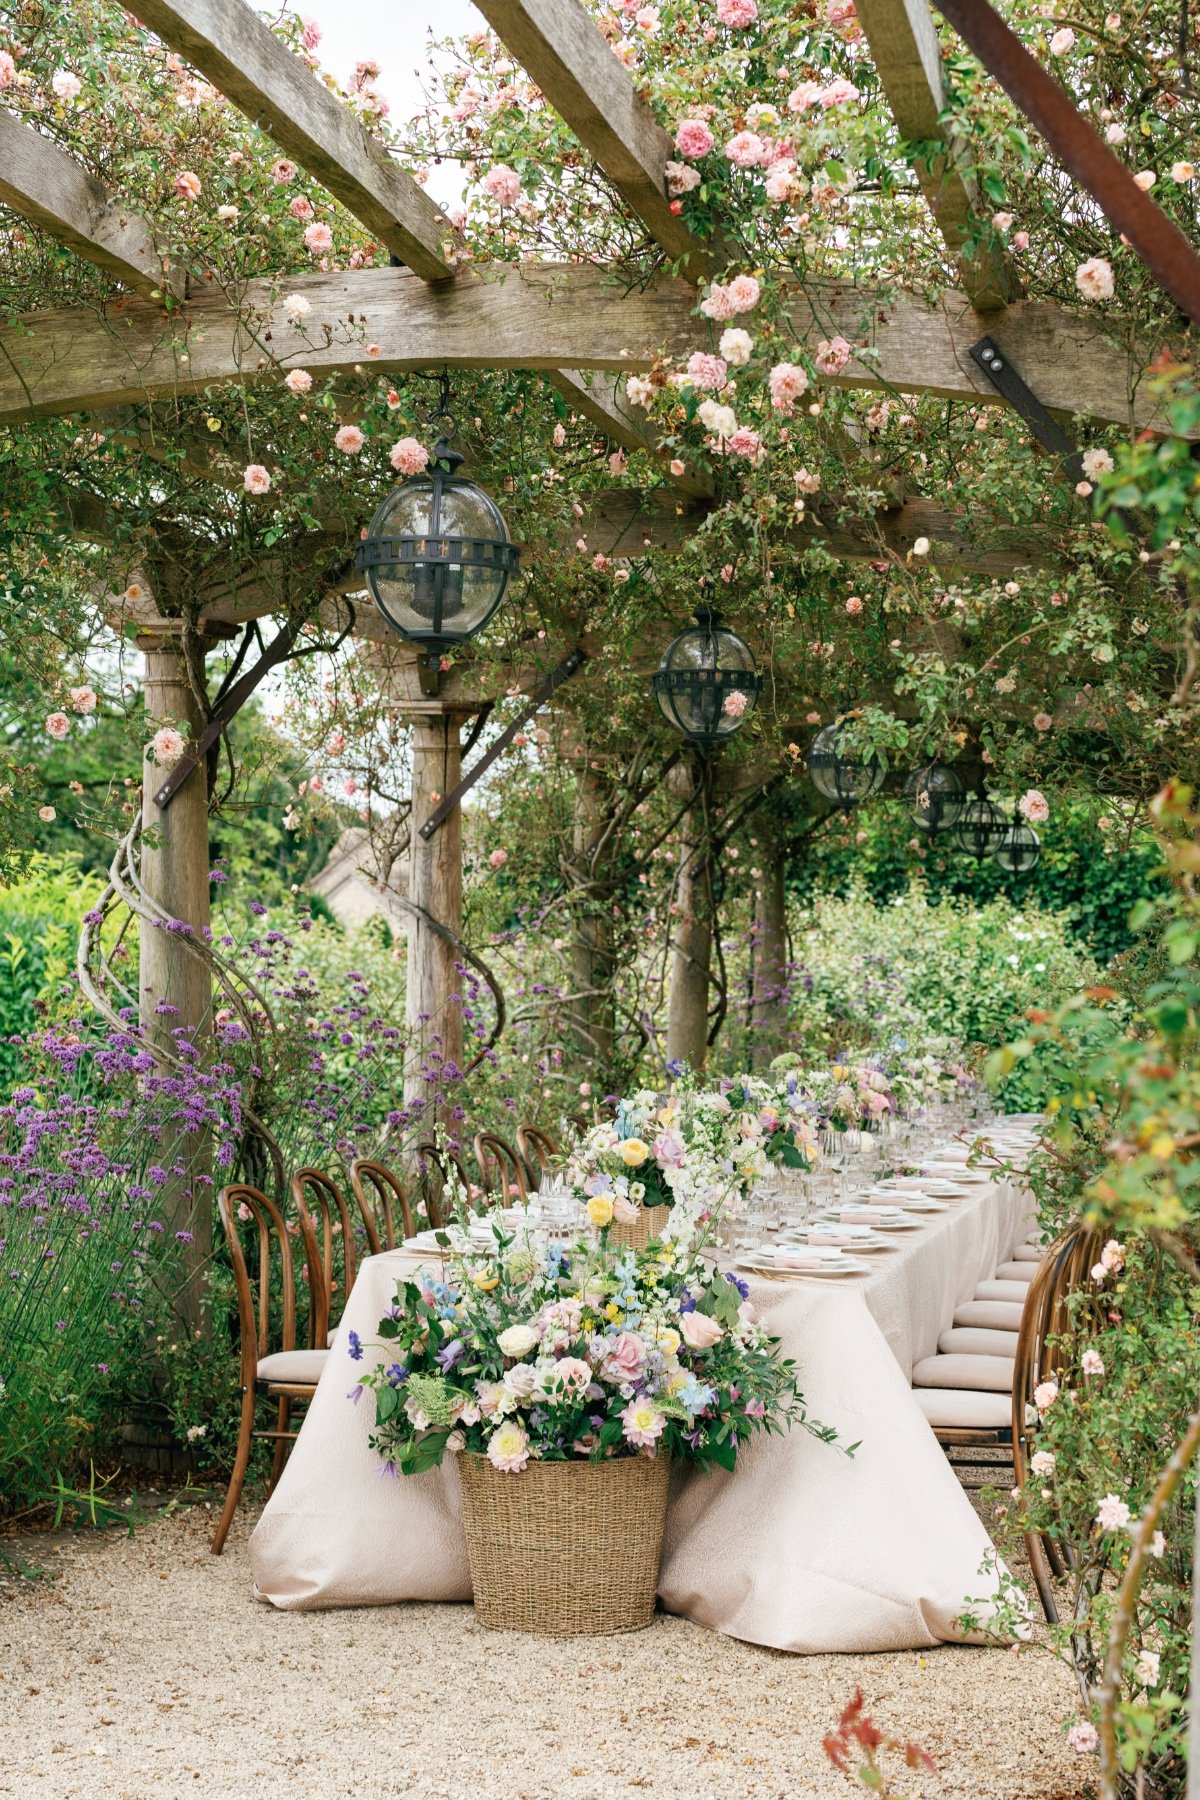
848 1265
851 1244
905 1222
923 1203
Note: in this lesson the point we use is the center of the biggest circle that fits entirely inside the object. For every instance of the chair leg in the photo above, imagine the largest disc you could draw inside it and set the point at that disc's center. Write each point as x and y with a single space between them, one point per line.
282 1444
1038 1562
241 1463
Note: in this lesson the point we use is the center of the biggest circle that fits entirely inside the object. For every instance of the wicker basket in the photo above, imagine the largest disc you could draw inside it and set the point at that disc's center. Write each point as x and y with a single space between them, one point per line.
565 1549
650 1223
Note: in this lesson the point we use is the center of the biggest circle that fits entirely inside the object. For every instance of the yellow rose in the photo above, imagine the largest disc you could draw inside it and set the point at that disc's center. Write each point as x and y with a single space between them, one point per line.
600 1210
668 1341
633 1152
667 1115
485 1283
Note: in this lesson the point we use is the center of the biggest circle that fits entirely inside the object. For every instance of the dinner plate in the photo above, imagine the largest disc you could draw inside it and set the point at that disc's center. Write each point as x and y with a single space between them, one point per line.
905 1223
848 1265
854 1244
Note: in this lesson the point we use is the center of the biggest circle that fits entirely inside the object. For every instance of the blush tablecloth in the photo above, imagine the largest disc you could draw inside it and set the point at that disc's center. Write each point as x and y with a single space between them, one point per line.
802 1549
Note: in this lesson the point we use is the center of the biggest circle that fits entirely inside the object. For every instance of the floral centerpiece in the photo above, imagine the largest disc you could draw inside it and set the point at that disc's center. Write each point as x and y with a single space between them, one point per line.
847 1096
581 1362
660 1167
777 1118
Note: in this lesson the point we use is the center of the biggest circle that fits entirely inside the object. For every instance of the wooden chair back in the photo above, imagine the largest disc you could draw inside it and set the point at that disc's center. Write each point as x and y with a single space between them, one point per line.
382 1200
266 1285
332 1223
436 1167
539 1152
500 1166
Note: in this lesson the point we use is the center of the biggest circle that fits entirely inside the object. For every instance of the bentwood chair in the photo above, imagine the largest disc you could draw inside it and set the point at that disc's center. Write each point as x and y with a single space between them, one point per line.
272 1366
439 1172
383 1201
500 1167
539 1152
332 1222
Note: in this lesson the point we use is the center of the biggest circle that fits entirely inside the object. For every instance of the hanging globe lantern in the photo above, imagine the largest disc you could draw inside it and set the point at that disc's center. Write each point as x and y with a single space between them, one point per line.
981 827
707 682
1020 849
838 773
935 797
438 558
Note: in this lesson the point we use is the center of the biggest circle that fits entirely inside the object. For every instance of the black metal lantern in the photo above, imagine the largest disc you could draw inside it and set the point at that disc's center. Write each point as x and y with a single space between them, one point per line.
935 797
981 827
707 681
438 558
1020 849
837 773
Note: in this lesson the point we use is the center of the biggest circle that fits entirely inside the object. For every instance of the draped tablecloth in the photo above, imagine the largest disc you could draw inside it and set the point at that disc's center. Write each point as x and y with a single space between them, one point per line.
803 1548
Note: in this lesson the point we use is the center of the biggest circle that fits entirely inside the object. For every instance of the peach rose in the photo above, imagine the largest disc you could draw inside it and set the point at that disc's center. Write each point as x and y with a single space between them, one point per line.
699 1331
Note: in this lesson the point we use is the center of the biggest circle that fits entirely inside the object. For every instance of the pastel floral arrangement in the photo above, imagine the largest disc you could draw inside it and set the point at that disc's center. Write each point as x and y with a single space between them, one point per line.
678 1153
561 1354
847 1096
776 1121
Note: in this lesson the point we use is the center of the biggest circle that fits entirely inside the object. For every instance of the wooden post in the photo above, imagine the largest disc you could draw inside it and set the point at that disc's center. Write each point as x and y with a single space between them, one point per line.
176 992
692 928
434 1010
768 958
593 1011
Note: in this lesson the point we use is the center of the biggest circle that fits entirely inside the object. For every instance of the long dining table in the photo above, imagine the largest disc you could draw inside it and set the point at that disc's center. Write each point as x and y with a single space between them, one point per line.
804 1547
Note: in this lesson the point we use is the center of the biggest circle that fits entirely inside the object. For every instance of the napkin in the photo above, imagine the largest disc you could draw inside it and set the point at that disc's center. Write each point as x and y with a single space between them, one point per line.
800 1256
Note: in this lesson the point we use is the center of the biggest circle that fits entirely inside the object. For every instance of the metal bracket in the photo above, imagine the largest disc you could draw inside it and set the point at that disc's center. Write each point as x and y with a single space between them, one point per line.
280 647
1004 378
573 663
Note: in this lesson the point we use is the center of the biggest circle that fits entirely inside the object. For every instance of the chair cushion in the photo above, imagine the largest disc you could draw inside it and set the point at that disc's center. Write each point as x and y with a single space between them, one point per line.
1028 1253
976 1340
992 1315
293 1366
964 1409
1002 1290
994 1373
1016 1271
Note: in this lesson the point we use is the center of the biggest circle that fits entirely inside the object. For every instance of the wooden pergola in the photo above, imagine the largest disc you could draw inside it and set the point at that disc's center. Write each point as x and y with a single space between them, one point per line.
433 309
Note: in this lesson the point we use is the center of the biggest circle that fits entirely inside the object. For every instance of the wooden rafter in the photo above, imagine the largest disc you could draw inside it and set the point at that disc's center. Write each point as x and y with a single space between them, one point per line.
905 49
542 316
240 55
560 45
601 399
47 187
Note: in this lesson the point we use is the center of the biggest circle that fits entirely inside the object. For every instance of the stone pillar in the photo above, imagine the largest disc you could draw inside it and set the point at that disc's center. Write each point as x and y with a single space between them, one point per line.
174 869
691 929
768 958
435 885
593 1012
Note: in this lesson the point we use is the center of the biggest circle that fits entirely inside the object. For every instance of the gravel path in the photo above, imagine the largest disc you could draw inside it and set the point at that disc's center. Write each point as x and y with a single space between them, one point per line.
141 1669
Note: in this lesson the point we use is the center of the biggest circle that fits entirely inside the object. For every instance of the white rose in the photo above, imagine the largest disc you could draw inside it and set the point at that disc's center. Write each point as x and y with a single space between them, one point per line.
720 420
518 1340
520 1380
735 346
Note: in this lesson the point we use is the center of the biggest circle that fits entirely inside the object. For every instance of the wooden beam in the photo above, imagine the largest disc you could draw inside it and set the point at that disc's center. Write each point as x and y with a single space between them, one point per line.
240 55
907 53
49 189
601 398
559 43
545 316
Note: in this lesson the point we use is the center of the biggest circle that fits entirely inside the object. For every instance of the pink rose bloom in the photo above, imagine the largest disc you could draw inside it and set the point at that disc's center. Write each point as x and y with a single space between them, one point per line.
1083 1738
283 171
58 725
187 185
668 1150
167 744
716 303
310 33
47 815
626 1359
832 355
8 69
503 184
854 606
409 456
349 440
838 93
256 480
681 179
618 463
1042 721
743 293
642 1424
1034 807
705 371
735 703
737 14
788 382
301 207
318 238
571 1375
83 700
1112 1514
298 381
1044 1395
1094 279
693 139
744 442
1092 1363
498 858
624 1211
745 151
804 96
700 1332
65 86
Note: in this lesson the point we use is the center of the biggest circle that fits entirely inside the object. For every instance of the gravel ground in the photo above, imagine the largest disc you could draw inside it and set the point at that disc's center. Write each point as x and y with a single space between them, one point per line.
141 1669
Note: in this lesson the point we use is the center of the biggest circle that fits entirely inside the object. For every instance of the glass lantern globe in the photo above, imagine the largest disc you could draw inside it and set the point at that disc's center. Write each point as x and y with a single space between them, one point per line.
707 682
980 829
935 797
837 773
1020 849
437 556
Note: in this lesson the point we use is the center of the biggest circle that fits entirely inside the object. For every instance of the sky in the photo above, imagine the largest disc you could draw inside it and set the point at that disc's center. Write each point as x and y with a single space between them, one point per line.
395 34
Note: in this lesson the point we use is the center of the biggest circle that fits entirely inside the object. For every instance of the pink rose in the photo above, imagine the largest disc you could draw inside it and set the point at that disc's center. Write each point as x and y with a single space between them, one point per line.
409 456
349 440
301 207
318 238
787 381
735 703
832 355
1094 279
298 381
624 1211
503 184
854 605
167 745
717 304
745 151
693 139
83 700
283 171
705 371
1034 807
187 185
737 14
58 725
700 1332
744 442
838 93
498 858
8 69
626 1359
743 292
311 33
256 479
570 1375
1083 1738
